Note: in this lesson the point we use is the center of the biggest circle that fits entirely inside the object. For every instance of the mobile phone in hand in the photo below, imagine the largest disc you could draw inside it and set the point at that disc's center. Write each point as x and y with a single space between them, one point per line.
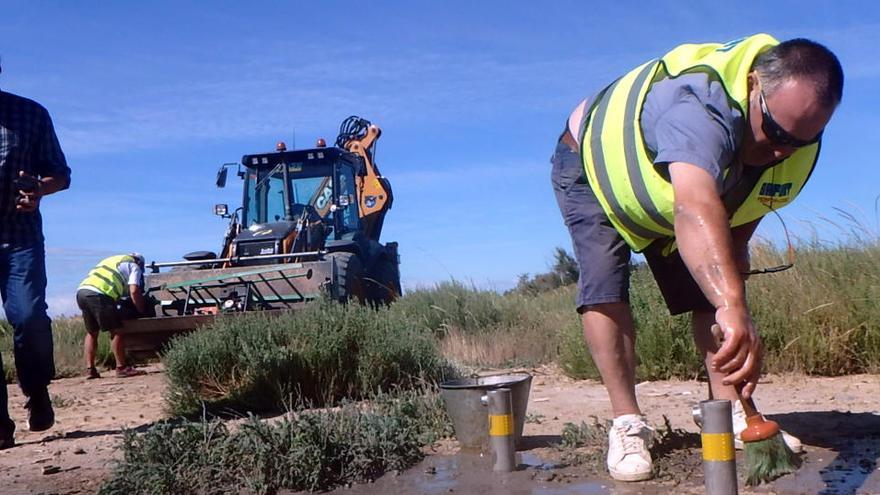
26 183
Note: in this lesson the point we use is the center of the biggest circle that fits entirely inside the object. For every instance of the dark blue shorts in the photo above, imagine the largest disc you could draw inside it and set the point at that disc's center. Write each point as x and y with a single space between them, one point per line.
602 254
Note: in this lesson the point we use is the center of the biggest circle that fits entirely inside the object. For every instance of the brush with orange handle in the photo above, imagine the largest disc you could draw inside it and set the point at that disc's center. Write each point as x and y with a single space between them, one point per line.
767 456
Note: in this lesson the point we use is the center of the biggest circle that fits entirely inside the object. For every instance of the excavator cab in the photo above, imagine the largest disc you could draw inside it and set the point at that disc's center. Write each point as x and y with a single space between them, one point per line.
305 201
320 182
313 204
296 201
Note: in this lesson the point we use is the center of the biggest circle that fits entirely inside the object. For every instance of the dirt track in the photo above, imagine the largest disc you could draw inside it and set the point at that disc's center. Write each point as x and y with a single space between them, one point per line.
837 418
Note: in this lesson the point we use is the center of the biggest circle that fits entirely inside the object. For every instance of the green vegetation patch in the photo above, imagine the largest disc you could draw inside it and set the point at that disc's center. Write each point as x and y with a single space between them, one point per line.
306 450
316 356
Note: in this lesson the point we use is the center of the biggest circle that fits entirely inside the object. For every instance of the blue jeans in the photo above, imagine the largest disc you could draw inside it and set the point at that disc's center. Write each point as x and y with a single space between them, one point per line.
23 288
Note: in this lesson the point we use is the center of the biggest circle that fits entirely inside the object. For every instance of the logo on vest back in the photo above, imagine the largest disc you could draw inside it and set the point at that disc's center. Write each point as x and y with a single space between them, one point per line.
772 193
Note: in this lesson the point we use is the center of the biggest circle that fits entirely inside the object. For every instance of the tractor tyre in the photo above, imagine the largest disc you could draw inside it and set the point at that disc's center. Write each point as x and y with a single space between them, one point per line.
349 278
383 282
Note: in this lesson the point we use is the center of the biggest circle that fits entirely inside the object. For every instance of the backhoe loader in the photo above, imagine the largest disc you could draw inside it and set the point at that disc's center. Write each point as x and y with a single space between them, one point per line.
308 226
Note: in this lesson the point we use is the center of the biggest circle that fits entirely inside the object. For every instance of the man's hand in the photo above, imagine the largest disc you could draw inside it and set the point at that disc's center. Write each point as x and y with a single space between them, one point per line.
741 351
29 193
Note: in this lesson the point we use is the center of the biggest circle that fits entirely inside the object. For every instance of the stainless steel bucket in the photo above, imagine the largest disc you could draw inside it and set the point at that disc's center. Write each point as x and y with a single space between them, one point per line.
470 416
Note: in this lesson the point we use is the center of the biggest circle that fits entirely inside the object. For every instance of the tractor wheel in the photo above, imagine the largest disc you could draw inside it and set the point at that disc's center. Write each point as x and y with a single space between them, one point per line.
349 277
383 282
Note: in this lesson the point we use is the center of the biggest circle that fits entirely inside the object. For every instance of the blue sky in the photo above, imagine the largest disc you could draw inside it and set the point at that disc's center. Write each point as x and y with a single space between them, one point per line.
149 98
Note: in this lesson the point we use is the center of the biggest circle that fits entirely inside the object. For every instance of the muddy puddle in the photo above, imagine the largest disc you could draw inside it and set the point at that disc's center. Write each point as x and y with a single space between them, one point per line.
840 459
471 473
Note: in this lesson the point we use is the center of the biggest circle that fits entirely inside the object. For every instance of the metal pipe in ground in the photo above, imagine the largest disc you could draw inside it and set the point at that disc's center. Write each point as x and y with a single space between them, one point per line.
501 430
719 459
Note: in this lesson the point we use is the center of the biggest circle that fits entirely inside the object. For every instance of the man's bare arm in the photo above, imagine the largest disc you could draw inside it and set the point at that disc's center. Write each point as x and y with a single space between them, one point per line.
704 239
137 297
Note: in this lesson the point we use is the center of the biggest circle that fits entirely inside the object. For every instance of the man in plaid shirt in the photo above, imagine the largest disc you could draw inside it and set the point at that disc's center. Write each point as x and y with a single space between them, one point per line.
32 165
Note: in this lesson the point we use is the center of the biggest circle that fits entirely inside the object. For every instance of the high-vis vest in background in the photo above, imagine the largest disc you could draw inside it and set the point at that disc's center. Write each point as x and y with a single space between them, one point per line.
105 277
636 197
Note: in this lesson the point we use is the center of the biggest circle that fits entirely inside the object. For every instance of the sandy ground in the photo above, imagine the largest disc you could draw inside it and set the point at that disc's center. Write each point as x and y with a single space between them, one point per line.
837 418
90 416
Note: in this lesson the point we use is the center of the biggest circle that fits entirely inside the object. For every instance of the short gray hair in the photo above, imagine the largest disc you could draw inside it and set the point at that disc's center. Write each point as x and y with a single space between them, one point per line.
802 59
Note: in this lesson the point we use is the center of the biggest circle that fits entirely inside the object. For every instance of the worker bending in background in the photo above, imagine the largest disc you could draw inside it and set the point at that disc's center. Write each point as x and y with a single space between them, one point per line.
102 299
680 159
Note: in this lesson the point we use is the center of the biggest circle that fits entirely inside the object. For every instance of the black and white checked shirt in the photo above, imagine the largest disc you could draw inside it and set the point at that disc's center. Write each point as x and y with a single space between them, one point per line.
28 143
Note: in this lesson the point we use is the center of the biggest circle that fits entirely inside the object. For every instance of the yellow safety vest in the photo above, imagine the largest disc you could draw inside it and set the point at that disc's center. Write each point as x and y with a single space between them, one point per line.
636 197
106 277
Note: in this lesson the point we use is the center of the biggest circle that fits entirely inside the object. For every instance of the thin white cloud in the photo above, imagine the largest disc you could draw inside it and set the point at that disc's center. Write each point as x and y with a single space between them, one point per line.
65 252
62 305
855 46
262 95
475 173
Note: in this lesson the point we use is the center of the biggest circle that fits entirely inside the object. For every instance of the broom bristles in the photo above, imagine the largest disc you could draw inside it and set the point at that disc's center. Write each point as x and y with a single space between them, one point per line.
769 459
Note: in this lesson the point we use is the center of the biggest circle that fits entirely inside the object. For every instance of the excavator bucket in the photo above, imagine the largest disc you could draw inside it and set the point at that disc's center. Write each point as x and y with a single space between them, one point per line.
188 299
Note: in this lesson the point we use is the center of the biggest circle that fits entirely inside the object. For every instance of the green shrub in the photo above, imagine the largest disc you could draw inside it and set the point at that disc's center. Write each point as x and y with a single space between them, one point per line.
306 450
664 344
324 353
574 355
563 272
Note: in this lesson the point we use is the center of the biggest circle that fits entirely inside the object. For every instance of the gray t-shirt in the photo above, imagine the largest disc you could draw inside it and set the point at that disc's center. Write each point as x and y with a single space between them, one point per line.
689 119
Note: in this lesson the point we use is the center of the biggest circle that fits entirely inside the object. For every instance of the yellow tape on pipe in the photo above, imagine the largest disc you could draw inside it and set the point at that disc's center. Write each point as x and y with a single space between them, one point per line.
718 447
500 425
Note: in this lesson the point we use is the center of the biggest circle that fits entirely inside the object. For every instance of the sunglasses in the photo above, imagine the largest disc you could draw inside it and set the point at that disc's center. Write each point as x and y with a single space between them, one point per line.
776 134
789 253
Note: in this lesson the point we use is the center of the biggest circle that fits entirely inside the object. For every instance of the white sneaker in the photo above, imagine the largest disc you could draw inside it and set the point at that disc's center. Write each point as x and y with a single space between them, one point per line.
628 441
739 424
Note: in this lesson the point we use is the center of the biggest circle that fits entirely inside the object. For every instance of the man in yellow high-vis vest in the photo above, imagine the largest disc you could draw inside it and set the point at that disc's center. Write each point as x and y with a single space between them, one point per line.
99 296
679 159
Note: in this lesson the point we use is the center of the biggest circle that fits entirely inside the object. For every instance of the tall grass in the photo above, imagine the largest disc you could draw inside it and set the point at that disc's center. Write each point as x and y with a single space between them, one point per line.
484 328
67 334
822 316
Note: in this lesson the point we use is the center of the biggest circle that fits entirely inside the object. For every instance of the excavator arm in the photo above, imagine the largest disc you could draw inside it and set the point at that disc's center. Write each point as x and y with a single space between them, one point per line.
359 136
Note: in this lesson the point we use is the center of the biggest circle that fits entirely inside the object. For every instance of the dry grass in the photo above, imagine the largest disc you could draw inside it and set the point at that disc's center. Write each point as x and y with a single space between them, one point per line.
68 334
491 350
